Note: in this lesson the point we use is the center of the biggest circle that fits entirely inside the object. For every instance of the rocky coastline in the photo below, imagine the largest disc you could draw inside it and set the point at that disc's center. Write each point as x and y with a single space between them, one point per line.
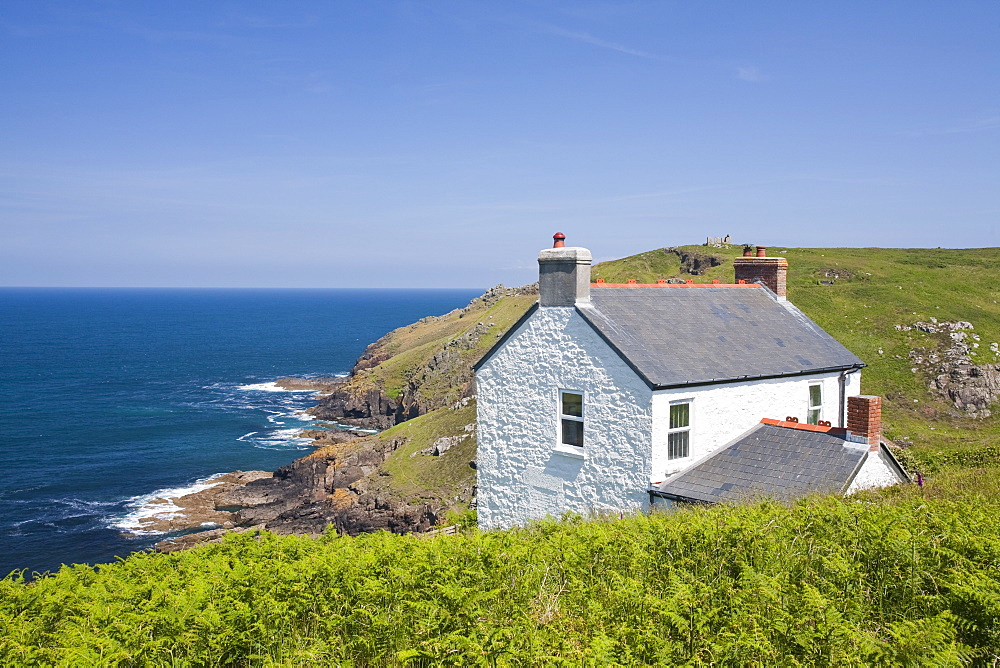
304 497
342 483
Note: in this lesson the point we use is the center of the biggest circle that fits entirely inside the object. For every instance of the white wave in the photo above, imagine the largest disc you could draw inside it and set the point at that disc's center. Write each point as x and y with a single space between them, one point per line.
267 387
159 504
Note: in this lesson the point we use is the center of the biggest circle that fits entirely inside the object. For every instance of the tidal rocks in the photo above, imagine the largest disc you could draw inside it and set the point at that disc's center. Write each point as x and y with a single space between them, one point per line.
205 507
330 488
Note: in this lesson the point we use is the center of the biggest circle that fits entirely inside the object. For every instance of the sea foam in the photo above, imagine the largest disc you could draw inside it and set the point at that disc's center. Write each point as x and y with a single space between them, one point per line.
267 387
144 506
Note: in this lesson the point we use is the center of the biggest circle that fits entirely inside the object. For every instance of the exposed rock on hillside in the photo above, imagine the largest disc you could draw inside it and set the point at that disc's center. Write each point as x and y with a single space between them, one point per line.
696 263
971 387
439 375
313 492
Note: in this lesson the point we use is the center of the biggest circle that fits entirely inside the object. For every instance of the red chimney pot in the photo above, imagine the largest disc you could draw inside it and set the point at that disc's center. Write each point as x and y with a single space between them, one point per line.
747 251
559 240
761 251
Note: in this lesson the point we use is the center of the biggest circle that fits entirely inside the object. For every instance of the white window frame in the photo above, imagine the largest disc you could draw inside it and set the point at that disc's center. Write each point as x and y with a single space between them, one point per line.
560 417
814 412
686 429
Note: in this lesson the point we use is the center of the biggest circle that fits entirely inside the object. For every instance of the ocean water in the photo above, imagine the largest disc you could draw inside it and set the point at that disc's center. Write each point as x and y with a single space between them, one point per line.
113 397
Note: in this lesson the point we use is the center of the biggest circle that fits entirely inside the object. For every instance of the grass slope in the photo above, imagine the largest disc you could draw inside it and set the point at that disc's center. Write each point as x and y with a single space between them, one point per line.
406 353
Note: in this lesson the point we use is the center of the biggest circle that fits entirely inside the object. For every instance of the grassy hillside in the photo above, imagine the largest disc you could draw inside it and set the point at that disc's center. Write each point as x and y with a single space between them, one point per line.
427 364
412 472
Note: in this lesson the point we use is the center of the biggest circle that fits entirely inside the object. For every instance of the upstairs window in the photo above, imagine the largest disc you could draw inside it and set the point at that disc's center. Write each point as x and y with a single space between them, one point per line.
814 413
572 418
679 434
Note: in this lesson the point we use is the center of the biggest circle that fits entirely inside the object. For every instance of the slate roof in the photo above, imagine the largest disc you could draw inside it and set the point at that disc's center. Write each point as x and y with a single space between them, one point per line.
676 336
770 460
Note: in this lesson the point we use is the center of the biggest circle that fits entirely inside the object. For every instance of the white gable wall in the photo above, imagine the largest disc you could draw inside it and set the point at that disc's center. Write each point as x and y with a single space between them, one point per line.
876 471
524 472
720 413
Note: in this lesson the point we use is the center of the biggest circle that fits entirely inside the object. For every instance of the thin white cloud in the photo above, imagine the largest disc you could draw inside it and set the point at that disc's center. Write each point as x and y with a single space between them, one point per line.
751 73
587 38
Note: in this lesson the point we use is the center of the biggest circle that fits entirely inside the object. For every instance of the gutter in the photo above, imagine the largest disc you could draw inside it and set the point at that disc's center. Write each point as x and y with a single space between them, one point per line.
737 379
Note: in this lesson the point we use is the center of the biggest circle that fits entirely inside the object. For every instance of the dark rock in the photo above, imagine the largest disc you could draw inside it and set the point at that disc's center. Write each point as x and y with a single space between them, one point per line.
971 387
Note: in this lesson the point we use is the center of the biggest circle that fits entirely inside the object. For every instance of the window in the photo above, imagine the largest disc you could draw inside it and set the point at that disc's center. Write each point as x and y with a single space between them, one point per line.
815 404
572 418
679 434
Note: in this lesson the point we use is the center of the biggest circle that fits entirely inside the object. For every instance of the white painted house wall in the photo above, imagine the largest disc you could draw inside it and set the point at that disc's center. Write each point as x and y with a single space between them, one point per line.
720 413
524 471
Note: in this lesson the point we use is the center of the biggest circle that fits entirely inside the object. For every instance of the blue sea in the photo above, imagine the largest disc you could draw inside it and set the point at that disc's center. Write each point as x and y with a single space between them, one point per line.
114 397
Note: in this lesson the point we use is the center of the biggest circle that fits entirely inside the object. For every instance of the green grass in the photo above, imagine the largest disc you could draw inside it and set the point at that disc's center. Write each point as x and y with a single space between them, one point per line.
409 351
415 476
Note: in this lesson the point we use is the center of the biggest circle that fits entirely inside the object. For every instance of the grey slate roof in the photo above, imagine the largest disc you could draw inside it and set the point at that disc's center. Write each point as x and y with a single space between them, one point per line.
773 461
698 335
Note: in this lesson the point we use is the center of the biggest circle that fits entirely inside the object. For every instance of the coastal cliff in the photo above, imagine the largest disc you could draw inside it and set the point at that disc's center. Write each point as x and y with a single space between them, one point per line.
423 366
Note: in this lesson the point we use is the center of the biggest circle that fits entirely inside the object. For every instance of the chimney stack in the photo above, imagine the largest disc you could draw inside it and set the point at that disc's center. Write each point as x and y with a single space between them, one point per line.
771 271
563 274
864 418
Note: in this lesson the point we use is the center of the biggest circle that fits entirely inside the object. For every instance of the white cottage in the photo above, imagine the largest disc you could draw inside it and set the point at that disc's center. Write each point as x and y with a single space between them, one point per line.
608 397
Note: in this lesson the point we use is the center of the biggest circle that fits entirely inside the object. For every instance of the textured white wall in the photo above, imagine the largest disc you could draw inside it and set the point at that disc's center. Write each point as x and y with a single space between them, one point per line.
876 471
720 413
523 472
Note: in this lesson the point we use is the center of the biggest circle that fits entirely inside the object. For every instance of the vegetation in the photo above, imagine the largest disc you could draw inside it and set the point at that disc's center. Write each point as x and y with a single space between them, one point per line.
903 576
427 363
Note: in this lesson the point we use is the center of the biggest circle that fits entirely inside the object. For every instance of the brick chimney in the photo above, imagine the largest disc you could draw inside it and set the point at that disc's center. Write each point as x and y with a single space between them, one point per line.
864 418
771 271
563 274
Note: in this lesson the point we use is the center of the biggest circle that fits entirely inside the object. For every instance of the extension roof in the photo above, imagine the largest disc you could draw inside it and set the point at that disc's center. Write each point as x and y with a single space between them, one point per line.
680 335
771 460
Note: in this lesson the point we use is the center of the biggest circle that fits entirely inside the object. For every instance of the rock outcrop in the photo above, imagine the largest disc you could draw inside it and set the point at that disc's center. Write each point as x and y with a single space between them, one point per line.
972 388
694 263
363 401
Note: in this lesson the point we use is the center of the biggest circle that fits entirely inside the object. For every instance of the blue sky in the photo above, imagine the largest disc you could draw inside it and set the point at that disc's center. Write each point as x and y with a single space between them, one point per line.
440 144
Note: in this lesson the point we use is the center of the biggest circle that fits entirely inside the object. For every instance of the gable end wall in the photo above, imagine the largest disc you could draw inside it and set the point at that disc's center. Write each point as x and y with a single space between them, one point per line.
523 471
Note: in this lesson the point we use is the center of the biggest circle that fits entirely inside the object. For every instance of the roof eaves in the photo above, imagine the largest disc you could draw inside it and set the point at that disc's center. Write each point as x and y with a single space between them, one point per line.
739 379
503 339
678 497
854 473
